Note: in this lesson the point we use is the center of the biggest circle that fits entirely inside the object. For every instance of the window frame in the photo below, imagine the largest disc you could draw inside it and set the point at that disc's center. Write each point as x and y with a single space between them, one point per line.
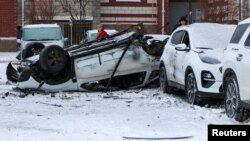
186 33
183 32
240 37
245 43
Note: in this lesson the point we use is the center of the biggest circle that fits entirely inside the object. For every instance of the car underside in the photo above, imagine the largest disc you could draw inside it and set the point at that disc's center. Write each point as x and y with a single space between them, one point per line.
119 62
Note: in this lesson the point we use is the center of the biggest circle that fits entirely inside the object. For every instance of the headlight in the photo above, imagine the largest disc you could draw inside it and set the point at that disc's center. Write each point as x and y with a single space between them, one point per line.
209 60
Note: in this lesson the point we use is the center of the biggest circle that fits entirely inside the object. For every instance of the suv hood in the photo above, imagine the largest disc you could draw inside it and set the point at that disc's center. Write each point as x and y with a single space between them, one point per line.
216 53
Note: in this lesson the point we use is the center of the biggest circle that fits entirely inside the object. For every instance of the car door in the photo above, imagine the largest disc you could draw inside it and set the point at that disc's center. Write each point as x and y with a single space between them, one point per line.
243 65
180 60
172 54
236 56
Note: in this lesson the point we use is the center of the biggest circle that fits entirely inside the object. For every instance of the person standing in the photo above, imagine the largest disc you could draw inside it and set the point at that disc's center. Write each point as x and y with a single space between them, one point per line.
182 21
141 31
19 35
101 32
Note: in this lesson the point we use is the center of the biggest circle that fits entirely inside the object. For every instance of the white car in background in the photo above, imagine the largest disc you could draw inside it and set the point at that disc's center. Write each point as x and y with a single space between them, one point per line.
35 37
91 35
191 60
236 68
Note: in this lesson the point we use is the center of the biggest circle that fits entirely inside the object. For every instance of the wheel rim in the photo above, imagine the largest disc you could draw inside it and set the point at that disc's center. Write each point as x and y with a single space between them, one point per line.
231 99
55 59
191 89
162 79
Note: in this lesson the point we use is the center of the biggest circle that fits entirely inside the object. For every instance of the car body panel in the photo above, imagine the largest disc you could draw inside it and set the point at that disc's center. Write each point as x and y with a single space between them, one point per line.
95 63
239 67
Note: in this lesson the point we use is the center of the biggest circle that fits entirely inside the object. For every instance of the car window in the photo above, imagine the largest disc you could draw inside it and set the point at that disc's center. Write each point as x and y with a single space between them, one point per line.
247 42
177 37
92 36
42 33
186 40
239 31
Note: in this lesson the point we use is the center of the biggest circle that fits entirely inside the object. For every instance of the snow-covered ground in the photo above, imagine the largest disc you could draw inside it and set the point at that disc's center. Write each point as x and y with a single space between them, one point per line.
83 116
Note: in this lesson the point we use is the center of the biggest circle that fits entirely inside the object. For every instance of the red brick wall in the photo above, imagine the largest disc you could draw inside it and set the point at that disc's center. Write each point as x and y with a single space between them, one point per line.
8 18
134 12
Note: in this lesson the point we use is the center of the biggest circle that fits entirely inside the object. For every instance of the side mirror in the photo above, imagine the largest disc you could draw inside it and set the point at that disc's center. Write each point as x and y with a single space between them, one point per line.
18 41
181 47
66 39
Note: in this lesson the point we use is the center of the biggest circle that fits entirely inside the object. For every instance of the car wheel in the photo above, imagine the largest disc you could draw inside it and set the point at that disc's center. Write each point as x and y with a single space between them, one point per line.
32 49
164 81
191 88
232 100
53 59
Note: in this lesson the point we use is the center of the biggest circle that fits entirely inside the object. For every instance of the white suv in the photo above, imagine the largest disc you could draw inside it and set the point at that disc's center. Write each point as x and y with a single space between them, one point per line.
192 59
37 36
236 70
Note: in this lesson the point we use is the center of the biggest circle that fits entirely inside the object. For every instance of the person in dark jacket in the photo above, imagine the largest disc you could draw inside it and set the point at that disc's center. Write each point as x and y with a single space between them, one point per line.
19 35
182 21
102 34
140 30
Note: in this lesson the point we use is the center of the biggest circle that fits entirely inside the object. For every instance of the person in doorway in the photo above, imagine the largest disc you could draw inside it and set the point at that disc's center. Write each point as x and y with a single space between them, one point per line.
102 34
182 21
19 35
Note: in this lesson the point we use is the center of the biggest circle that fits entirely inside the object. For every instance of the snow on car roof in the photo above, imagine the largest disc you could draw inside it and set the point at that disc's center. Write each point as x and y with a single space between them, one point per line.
40 25
246 21
210 35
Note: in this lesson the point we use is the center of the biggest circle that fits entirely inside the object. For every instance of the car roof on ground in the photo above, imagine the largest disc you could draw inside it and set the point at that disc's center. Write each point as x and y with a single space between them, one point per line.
40 25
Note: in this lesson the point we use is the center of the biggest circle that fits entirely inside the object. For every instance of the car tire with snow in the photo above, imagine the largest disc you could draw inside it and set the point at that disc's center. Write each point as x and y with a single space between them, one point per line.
164 81
32 49
53 59
232 100
191 89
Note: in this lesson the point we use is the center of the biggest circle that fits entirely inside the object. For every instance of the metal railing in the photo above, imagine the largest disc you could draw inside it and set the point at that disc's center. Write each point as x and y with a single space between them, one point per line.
75 32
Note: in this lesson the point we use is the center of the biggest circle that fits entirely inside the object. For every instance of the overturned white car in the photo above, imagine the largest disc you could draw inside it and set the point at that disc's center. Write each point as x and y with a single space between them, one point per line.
121 61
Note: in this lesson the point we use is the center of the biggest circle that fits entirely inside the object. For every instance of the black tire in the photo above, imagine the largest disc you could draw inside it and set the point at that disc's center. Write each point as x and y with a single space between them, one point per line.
191 89
53 59
164 81
11 73
232 101
32 49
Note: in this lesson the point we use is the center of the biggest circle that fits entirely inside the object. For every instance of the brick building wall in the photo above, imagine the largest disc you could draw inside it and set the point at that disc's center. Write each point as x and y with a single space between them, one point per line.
8 23
116 13
8 18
